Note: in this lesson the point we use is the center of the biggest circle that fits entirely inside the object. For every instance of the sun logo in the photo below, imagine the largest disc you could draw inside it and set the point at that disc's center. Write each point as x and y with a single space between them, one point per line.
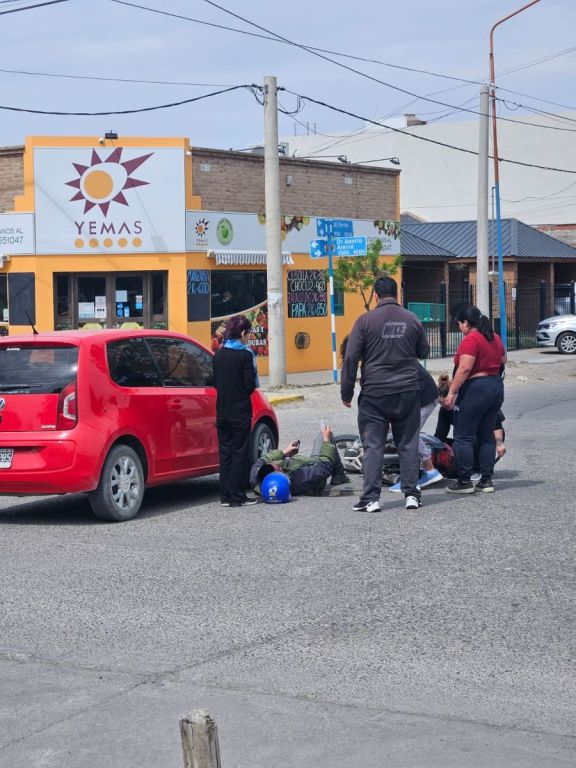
104 181
202 227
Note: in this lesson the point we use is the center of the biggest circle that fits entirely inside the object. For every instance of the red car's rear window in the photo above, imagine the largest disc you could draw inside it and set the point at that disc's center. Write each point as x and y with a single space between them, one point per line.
35 368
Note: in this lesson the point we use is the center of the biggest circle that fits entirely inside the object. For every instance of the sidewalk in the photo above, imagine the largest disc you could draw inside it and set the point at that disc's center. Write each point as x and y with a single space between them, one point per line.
301 381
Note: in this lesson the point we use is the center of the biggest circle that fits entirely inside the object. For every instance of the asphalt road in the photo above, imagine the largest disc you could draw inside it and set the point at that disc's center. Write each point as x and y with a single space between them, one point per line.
315 636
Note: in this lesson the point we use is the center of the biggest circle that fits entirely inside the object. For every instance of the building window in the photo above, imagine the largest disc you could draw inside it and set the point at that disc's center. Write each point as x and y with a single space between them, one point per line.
130 296
4 298
338 301
62 302
91 305
236 291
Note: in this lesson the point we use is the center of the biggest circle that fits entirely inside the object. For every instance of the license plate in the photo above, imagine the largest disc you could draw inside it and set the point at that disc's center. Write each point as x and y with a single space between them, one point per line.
6 457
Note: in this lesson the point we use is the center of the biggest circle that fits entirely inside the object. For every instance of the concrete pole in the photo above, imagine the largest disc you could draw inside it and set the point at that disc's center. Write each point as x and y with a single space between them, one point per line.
482 279
274 266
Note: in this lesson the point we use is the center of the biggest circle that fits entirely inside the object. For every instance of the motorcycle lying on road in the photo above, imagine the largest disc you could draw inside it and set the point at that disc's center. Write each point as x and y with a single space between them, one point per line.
351 452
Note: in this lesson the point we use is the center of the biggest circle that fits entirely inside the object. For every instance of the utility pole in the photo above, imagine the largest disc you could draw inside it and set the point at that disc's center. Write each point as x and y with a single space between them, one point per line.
482 279
501 283
330 249
274 266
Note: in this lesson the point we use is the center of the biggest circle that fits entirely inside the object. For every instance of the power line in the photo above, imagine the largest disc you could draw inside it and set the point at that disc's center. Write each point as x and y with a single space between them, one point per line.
111 79
425 138
30 7
126 111
311 47
364 74
551 196
319 52
467 81
536 98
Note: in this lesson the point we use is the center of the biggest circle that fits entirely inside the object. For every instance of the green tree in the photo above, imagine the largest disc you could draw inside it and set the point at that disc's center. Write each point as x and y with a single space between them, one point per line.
358 274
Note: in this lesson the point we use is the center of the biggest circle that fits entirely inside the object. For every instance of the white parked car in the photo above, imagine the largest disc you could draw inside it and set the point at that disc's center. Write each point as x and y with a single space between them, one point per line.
558 331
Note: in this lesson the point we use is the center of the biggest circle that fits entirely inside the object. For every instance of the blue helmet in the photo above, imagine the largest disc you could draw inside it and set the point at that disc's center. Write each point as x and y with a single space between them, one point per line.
275 488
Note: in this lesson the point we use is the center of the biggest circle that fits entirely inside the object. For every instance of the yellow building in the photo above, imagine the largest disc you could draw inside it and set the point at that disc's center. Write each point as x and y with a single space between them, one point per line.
109 233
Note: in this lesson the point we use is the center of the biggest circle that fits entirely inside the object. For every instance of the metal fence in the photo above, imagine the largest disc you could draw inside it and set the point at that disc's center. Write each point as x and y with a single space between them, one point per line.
527 303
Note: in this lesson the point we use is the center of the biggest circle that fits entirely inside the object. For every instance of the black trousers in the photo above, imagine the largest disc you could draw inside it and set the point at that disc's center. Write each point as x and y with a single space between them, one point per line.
401 411
234 445
477 406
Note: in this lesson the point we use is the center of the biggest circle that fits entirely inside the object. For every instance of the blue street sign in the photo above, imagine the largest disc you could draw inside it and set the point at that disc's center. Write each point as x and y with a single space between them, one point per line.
349 246
318 249
340 227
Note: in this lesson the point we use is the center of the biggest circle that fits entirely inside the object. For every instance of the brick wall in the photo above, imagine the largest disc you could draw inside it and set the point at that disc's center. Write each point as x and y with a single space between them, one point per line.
11 176
234 181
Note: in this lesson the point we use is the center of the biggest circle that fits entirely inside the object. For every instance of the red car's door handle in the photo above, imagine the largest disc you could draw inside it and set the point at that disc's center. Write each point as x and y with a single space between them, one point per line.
175 405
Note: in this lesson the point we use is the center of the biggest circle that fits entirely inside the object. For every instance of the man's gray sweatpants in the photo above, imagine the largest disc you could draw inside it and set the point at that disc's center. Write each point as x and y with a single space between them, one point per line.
376 414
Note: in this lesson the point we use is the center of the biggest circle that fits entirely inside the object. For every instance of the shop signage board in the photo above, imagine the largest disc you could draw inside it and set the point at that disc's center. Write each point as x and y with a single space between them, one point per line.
16 233
306 294
226 230
109 200
198 294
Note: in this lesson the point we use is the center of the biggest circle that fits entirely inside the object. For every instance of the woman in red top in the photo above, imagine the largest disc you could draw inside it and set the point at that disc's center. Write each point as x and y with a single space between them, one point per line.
476 394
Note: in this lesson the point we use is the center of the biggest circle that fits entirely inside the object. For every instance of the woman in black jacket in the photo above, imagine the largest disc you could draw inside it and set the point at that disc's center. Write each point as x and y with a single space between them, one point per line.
235 378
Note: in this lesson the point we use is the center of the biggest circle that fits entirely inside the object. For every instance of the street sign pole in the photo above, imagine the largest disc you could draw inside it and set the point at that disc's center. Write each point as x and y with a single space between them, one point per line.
331 286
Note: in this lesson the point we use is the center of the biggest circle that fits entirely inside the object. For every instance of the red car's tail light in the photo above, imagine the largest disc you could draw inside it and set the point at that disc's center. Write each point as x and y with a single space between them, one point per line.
67 417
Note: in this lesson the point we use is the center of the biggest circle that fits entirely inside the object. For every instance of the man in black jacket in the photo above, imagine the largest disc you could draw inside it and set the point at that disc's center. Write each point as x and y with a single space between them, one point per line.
387 341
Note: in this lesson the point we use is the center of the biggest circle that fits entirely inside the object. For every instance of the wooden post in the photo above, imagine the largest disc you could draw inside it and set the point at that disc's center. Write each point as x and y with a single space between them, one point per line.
200 740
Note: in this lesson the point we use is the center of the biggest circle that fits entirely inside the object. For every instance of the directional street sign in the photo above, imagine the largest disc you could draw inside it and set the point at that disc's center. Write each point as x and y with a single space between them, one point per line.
318 249
340 227
349 246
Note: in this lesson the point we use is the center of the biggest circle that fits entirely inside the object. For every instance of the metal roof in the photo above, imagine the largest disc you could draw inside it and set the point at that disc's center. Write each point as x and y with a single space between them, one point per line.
412 245
518 239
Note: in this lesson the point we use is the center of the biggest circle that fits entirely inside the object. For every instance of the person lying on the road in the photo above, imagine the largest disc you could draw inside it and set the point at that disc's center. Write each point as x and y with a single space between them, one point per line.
308 474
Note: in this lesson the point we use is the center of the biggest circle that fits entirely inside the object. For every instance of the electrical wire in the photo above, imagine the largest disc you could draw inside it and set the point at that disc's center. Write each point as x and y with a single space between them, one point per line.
30 7
127 111
425 138
336 53
364 74
111 79
311 47
536 98
319 53
361 134
534 110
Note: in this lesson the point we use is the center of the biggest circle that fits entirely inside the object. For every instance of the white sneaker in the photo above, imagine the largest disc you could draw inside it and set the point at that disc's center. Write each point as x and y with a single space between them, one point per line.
367 506
413 502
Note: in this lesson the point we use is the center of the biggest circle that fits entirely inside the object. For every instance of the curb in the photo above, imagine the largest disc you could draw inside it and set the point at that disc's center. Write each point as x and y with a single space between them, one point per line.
279 399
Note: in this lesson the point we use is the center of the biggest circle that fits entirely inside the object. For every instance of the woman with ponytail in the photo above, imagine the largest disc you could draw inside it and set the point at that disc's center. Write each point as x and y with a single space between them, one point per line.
476 394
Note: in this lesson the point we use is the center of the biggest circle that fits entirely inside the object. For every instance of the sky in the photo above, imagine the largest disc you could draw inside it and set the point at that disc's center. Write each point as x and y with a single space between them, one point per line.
106 39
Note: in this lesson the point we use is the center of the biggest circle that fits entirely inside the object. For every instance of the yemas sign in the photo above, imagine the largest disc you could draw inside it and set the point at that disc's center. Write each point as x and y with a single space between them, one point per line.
109 200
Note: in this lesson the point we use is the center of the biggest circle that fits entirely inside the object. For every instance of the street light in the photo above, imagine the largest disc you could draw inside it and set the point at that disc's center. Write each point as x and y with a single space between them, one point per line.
501 289
393 160
344 159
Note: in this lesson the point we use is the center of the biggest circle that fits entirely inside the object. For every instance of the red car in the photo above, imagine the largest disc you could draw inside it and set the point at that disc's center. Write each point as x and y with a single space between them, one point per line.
109 412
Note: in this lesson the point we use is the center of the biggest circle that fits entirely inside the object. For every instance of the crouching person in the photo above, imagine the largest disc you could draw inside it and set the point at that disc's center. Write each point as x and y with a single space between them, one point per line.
308 474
